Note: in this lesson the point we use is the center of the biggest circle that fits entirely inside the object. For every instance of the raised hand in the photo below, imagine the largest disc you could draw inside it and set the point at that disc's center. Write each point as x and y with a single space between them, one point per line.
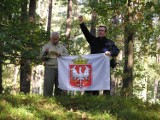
80 18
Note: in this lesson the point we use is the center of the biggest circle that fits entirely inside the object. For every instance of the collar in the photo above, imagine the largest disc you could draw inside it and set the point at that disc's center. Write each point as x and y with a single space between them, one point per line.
102 37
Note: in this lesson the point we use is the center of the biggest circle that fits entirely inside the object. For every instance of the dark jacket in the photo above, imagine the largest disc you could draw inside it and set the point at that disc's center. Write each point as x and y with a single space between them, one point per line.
100 44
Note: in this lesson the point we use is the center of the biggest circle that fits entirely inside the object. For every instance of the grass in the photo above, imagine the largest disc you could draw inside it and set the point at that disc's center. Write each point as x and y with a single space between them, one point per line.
36 107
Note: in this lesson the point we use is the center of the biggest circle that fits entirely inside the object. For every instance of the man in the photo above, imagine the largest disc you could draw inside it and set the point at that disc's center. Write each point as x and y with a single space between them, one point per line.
100 44
50 52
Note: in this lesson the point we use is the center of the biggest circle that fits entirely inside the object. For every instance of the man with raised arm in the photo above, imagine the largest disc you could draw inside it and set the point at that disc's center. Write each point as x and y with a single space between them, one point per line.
99 44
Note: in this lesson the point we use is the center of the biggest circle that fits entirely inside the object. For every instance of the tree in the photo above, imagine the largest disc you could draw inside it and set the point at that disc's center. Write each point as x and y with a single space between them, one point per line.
93 22
128 51
20 38
49 16
68 22
25 68
32 10
158 48
1 59
8 13
1 87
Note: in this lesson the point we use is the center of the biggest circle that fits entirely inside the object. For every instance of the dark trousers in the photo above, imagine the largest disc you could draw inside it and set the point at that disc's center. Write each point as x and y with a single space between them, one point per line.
105 92
92 92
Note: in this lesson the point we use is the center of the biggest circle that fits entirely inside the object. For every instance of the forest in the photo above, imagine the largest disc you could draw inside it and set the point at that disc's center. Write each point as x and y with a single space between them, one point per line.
134 26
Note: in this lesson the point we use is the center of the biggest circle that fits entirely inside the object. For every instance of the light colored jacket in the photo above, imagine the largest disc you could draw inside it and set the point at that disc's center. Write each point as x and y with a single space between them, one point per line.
52 58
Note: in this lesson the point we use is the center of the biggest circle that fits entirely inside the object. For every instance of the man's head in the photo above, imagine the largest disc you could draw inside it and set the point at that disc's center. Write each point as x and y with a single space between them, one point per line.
54 37
102 31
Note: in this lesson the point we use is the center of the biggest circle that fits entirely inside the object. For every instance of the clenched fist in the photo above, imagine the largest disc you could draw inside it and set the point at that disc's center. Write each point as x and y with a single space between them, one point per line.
80 18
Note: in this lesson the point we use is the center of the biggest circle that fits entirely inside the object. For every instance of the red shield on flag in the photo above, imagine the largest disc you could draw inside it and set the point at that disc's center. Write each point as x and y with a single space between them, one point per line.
80 75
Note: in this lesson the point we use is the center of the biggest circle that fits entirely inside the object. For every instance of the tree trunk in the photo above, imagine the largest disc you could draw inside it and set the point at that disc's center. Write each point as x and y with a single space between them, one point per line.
37 78
158 47
25 68
1 87
155 89
128 65
14 84
1 59
68 27
157 81
23 82
49 17
93 23
32 10
24 10
128 52
68 22
25 76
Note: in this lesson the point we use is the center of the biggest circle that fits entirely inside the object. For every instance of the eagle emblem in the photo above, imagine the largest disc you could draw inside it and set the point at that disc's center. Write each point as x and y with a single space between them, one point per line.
80 75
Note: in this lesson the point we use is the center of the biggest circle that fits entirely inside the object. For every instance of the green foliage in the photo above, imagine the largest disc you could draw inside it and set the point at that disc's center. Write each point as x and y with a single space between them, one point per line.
25 39
76 45
19 40
76 107
113 14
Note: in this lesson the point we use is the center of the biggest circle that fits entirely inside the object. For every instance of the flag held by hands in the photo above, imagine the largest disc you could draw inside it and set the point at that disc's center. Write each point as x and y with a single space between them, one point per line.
84 73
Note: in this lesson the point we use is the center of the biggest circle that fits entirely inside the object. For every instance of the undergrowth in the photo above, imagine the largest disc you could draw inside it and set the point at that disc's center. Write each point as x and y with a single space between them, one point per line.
36 107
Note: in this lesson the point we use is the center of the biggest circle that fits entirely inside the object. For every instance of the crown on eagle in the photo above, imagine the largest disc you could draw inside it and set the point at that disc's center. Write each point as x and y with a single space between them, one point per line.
80 60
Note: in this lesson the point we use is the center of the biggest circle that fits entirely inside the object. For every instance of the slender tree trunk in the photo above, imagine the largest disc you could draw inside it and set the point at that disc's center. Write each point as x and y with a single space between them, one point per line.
155 89
14 84
49 16
25 68
32 10
128 66
93 23
68 22
1 59
24 83
158 47
1 87
37 78
68 26
157 81
24 10
128 52
145 79
25 76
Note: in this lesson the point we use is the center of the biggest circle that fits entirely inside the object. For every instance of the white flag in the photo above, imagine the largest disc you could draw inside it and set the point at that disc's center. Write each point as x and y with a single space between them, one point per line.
84 73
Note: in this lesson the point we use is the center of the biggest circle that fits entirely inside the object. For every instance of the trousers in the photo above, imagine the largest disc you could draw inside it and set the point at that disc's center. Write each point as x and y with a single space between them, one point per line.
51 81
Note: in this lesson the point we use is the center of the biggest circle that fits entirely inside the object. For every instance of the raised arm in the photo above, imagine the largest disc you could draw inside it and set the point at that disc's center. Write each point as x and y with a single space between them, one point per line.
85 31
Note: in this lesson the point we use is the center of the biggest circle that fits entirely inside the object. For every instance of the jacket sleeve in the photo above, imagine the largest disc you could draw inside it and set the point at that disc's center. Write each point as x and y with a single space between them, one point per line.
114 53
86 33
115 50
65 51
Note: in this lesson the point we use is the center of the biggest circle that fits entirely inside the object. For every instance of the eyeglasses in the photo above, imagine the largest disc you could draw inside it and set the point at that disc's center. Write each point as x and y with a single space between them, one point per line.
101 30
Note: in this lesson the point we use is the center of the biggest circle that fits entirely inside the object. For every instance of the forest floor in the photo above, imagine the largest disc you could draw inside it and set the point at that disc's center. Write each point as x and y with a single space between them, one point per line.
37 107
